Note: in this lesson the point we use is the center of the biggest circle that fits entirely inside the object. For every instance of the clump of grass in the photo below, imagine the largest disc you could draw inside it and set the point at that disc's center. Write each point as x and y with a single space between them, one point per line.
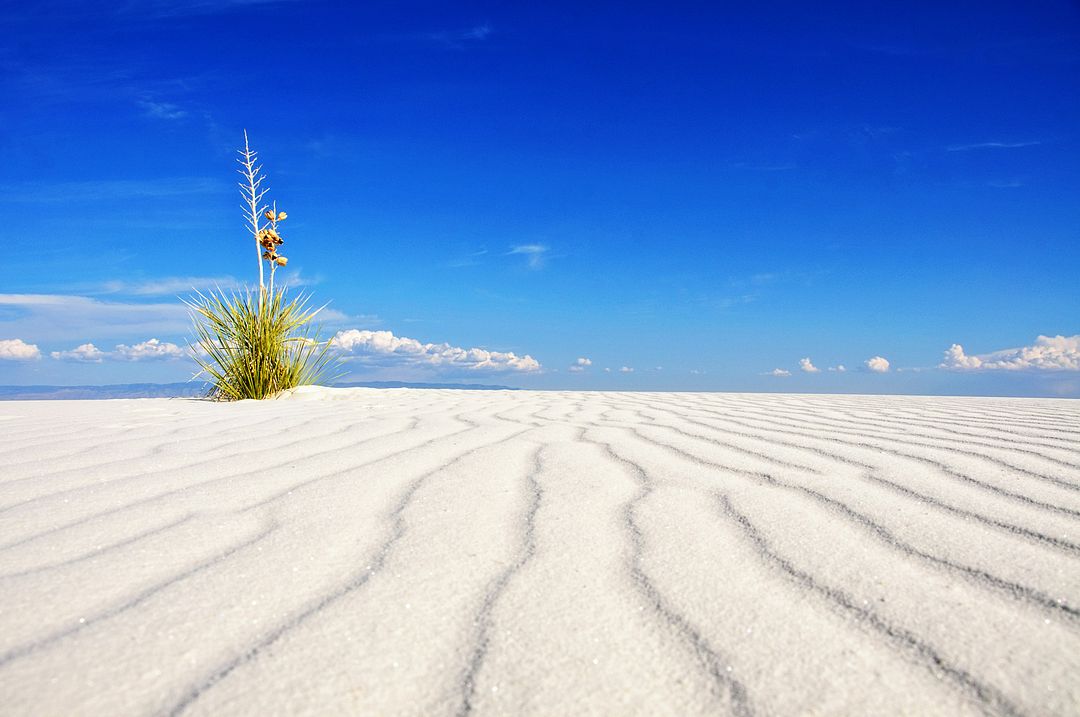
257 342
252 347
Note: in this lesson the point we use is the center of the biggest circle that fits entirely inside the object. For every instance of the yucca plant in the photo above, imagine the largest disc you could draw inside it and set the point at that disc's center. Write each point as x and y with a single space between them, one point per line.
257 342
252 348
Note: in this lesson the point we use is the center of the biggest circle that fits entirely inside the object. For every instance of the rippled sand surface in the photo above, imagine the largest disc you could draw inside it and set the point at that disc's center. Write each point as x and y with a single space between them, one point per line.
427 552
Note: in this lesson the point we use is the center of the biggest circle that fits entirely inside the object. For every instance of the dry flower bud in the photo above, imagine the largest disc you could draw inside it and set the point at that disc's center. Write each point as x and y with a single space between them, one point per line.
282 216
281 261
269 215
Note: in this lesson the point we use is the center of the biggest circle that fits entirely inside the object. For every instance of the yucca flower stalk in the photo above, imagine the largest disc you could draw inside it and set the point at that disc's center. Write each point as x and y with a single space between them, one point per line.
257 342
252 192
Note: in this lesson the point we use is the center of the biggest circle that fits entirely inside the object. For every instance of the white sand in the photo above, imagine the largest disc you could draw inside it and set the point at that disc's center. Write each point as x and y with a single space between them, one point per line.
425 552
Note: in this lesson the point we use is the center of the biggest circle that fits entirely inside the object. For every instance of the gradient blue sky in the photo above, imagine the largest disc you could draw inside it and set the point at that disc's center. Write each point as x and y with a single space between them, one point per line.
701 192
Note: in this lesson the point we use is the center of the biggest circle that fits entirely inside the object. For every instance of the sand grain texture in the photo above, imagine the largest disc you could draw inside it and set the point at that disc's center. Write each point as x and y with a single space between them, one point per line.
438 552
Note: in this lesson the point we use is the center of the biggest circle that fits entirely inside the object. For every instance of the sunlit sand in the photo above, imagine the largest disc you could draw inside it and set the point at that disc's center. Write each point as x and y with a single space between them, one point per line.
434 552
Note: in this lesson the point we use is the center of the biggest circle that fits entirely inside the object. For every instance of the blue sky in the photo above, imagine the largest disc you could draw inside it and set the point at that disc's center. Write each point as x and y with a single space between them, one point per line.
701 193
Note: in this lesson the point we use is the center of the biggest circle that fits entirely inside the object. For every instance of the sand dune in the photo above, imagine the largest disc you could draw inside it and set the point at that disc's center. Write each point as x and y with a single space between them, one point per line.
437 552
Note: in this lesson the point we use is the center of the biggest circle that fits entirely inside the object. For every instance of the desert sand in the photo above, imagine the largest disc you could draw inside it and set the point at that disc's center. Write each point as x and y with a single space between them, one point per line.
439 552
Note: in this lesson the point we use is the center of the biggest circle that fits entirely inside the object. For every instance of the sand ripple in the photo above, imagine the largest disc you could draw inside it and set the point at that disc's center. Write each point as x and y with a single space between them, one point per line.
430 552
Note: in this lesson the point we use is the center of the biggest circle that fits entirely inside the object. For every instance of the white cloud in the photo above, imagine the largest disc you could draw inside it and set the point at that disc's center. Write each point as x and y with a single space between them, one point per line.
777 372
841 368
151 350
626 369
535 253
18 350
580 365
956 359
85 353
807 367
1049 353
878 364
382 348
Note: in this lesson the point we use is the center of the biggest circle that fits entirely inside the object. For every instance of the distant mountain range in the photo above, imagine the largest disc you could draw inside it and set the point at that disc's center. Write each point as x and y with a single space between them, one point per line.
187 390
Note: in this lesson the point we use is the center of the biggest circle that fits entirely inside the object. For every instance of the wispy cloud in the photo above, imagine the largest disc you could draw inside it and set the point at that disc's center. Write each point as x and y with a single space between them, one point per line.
778 372
806 366
109 189
183 285
162 110
59 317
730 302
536 254
384 349
169 285
1048 353
470 259
991 145
458 39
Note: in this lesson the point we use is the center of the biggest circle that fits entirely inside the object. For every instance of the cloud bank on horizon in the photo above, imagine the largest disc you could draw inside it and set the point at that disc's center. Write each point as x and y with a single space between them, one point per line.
365 349
383 348
1048 353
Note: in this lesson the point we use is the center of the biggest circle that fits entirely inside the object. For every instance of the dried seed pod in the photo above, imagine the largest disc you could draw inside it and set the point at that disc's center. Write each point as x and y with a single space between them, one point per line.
269 215
281 261
282 216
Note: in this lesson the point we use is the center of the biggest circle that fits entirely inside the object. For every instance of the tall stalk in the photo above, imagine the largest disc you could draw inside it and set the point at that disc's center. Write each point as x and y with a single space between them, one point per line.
251 191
